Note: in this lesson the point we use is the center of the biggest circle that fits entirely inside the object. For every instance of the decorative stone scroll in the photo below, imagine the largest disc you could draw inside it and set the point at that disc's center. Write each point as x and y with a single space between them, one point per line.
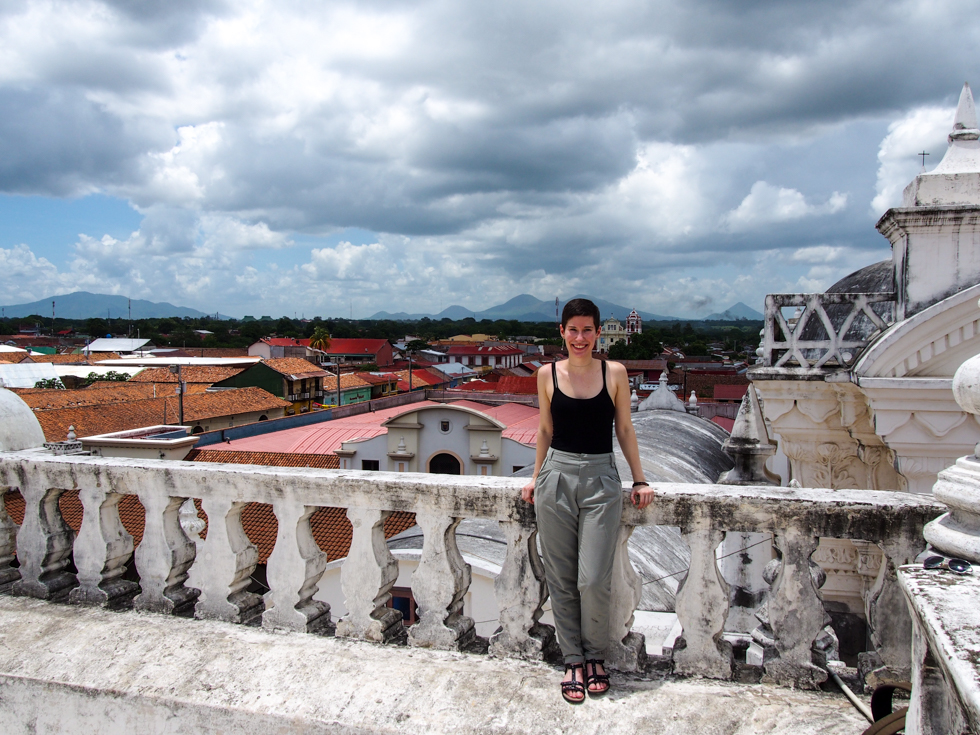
521 591
367 576
164 556
293 571
702 608
101 551
889 622
224 566
44 545
795 613
439 584
627 648
8 547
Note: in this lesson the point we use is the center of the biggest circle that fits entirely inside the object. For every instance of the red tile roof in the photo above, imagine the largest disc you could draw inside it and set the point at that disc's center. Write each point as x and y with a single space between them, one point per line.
730 392
267 459
355 346
286 342
514 384
483 350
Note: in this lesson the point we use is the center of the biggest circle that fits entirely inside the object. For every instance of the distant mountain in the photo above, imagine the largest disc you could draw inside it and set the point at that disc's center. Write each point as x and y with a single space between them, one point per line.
85 305
524 308
738 311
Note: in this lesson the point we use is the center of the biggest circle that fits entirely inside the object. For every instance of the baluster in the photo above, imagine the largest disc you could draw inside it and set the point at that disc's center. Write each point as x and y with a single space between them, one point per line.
439 584
8 547
796 614
367 576
627 648
102 550
293 571
887 612
521 591
165 554
224 566
44 543
702 609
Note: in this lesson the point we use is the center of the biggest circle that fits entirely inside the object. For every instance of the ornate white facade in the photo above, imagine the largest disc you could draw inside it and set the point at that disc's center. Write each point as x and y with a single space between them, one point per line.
858 387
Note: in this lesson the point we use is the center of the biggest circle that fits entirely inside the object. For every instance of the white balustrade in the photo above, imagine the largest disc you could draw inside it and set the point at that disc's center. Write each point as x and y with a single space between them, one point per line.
213 576
367 576
101 551
439 584
293 570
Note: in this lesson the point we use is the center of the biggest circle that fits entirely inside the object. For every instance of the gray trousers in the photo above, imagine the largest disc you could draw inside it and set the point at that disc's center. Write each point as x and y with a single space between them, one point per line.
578 501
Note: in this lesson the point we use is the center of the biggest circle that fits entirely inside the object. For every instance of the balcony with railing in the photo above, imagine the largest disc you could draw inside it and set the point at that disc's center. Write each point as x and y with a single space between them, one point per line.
823 330
181 575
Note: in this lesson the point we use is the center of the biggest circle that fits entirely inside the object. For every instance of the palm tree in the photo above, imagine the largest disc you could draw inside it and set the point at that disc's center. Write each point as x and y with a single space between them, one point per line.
320 340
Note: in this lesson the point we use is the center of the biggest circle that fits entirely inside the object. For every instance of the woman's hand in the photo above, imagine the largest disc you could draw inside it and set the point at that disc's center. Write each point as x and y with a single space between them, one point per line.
642 496
527 492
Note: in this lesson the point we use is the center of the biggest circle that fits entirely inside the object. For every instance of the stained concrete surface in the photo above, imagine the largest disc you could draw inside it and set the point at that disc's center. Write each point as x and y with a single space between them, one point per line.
71 670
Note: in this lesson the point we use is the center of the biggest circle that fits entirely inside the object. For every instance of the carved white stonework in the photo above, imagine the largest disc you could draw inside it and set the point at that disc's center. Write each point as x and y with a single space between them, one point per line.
102 551
702 608
293 570
439 584
367 576
228 561
626 650
521 592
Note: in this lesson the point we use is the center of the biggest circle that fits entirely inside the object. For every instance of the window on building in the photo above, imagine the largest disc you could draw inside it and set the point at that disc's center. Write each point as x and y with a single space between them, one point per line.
402 599
371 464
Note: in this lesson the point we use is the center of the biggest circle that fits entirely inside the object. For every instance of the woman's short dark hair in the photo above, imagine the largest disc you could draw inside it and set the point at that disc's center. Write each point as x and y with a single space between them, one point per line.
580 307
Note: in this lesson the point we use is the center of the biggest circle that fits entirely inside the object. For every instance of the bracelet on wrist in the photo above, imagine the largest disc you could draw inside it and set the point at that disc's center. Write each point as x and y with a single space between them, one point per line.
642 482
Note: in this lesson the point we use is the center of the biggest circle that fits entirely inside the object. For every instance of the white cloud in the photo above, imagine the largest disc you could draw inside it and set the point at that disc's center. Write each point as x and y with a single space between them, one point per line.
921 129
767 204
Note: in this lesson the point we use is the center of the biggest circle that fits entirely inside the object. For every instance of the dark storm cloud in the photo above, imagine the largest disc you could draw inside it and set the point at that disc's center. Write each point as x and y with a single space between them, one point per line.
612 141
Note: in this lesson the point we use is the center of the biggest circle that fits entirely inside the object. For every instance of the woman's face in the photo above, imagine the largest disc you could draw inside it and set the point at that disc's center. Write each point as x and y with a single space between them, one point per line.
580 334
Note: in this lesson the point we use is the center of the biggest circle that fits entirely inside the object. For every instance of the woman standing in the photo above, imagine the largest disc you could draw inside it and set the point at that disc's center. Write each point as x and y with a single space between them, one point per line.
577 494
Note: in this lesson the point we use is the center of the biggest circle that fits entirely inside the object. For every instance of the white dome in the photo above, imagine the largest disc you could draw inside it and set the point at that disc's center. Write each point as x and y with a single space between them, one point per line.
19 427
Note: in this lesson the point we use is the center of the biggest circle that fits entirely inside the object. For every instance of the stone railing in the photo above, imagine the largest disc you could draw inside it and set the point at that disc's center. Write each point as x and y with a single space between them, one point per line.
211 576
828 329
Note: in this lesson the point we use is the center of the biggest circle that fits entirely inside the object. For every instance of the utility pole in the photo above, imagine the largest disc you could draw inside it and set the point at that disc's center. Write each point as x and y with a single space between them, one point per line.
180 393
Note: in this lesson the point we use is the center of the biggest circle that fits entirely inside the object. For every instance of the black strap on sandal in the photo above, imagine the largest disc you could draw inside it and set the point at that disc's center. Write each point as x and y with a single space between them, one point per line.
574 685
595 677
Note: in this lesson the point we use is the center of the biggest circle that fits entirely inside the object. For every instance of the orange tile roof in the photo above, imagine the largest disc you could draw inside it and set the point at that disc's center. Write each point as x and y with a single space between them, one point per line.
44 400
190 374
14 357
76 359
268 459
330 526
102 419
295 367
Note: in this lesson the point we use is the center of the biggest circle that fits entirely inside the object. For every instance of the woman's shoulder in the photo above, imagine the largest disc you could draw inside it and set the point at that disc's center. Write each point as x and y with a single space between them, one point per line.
615 368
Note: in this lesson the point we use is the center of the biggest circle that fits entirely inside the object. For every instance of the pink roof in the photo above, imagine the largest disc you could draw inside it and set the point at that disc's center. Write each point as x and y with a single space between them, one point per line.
327 437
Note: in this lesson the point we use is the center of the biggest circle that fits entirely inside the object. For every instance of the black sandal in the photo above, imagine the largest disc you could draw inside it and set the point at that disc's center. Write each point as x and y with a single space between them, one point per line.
573 685
595 678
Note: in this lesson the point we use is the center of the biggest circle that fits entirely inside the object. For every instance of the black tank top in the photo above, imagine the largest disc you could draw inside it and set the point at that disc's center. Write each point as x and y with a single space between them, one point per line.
582 425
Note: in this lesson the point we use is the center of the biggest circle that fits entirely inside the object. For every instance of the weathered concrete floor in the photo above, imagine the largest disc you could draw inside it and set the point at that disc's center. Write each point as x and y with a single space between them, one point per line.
67 669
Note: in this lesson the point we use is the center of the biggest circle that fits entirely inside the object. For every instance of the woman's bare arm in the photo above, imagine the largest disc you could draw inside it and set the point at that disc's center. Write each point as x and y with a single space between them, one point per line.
642 495
545 428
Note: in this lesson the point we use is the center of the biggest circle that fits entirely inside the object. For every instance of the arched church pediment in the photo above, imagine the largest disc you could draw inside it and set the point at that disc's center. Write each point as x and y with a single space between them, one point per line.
932 343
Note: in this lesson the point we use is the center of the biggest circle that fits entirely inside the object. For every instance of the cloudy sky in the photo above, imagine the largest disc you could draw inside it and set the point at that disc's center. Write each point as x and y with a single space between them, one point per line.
345 157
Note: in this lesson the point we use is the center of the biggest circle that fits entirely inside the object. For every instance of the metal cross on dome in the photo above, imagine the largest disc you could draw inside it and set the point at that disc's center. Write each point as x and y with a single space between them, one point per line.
923 154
